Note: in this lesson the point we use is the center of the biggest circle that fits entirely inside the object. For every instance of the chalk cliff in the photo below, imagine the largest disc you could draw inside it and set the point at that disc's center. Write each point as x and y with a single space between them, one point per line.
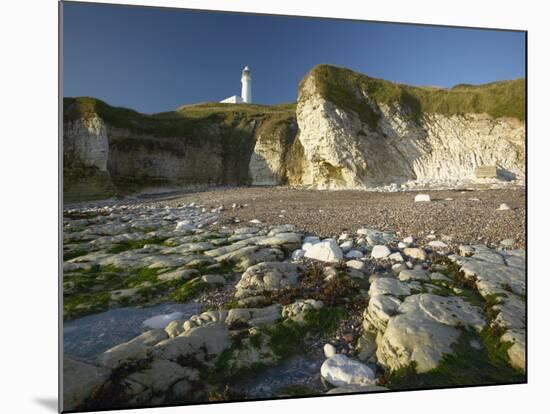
360 132
347 131
207 144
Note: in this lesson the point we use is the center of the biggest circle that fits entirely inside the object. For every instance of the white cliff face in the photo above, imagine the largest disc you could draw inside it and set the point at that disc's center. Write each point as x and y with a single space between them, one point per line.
329 138
85 142
266 162
450 148
343 152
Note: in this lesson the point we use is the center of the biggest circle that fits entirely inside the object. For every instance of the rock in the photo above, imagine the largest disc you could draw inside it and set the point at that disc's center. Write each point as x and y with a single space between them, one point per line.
330 272
246 230
440 277
354 254
298 254
466 250
356 265
134 393
517 351
255 221
438 244
415 253
298 310
396 257
152 337
185 226
326 251
162 374
213 279
374 237
181 389
507 242
180 274
398 268
340 371
311 239
504 206
122 354
238 316
280 239
329 350
346 246
80 382
380 252
267 276
388 286
174 328
265 316
422 198
283 228
491 273
379 311
203 343
408 240
424 329
270 254
130 294
344 236
366 346
414 274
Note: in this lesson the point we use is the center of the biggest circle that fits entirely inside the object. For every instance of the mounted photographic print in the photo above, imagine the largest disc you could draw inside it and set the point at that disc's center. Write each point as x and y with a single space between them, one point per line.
266 206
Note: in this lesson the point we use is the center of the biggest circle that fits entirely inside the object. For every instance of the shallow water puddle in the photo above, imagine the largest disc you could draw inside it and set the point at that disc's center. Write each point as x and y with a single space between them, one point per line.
90 335
297 371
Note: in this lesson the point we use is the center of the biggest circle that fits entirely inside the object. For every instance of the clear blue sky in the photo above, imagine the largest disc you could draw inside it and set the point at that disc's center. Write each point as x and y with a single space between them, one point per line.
153 59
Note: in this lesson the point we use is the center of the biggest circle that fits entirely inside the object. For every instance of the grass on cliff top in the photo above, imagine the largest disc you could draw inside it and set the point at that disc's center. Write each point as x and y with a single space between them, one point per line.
183 121
345 88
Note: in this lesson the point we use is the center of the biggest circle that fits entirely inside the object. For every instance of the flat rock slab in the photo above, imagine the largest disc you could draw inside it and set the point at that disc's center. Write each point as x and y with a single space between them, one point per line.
493 272
424 329
267 276
389 286
451 311
414 274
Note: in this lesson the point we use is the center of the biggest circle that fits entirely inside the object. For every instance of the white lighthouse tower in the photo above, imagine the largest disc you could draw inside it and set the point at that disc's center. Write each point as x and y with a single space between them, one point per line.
246 80
246 90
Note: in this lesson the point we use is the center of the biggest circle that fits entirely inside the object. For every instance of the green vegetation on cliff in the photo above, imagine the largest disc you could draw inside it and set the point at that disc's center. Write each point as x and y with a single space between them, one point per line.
357 92
182 122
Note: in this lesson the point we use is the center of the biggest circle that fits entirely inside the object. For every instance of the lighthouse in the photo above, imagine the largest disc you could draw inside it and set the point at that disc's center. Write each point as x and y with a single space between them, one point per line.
246 80
246 89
